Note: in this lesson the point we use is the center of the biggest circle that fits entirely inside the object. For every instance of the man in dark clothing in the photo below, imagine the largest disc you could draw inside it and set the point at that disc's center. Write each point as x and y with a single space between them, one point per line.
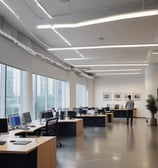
129 107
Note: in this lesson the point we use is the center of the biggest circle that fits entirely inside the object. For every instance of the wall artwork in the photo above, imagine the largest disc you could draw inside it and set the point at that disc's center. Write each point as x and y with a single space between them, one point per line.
125 95
117 96
107 96
136 96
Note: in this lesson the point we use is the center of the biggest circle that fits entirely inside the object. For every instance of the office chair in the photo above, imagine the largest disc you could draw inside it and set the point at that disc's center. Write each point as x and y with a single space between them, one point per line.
50 129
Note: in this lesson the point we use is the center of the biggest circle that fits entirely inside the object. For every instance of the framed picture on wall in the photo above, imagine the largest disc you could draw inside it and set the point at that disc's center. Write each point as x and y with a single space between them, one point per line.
107 96
125 95
117 96
136 96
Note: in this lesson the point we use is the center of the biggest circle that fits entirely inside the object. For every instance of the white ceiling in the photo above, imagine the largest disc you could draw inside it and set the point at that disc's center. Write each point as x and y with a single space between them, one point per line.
129 31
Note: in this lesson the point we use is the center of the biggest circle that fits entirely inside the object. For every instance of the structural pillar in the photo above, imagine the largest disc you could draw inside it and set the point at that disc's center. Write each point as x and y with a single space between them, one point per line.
151 82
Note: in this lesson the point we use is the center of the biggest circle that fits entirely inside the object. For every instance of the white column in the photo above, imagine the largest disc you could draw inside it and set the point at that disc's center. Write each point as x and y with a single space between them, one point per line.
151 81
27 92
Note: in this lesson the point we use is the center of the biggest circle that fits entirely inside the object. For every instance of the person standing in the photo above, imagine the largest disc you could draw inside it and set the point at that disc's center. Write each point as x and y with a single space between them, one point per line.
129 106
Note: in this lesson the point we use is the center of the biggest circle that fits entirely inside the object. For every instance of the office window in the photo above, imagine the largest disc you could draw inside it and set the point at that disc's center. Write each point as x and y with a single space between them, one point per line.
2 90
47 93
56 92
81 95
13 90
41 93
51 95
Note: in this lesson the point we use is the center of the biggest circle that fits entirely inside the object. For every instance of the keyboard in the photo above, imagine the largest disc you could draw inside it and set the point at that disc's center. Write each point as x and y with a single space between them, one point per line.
21 142
2 142
31 125
26 128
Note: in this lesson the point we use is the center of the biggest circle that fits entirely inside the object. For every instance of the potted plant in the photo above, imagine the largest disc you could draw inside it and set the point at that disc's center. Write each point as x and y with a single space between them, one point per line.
152 106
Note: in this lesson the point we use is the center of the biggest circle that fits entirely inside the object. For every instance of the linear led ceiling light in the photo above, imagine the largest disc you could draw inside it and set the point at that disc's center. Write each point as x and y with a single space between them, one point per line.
10 9
119 74
110 65
113 70
155 52
43 9
75 59
66 41
104 47
103 20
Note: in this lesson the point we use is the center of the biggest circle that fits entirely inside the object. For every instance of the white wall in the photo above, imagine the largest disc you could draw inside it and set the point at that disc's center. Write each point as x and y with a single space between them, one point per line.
14 56
123 84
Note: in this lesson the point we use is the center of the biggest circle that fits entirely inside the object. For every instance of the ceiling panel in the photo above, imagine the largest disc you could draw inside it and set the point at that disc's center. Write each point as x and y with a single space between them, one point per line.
129 31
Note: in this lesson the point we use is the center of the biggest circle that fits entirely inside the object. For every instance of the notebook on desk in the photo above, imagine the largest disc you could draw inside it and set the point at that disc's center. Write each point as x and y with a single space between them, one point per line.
21 142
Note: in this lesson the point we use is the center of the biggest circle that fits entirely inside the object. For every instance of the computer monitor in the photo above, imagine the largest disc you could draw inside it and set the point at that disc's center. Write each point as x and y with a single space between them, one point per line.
46 114
3 125
62 115
91 112
83 111
14 120
27 117
117 106
71 114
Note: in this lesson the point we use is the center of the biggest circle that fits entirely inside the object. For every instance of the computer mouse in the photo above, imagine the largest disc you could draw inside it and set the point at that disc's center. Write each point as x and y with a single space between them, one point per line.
12 140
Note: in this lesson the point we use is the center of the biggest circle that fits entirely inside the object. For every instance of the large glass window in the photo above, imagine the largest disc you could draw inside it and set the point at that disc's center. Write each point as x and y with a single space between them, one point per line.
2 90
81 96
41 93
13 90
56 94
47 93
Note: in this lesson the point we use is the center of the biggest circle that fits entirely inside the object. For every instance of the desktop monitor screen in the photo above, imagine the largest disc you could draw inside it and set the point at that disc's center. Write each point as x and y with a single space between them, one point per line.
47 114
72 114
14 120
3 125
91 112
27 117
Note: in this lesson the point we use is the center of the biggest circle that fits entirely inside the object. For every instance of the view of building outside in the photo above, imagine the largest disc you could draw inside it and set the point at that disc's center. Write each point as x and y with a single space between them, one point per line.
81 95
13 90
1 115
47 93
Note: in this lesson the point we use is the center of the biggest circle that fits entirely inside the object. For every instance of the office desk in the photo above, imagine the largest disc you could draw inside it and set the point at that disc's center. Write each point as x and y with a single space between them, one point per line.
70 127
94 120
30 131
121 113
40 153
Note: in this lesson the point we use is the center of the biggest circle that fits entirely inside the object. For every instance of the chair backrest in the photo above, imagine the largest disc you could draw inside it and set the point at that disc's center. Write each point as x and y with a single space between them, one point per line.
51 127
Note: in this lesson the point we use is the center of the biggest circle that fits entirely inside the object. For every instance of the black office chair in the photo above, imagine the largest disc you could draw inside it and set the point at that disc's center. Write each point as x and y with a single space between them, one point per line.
51 128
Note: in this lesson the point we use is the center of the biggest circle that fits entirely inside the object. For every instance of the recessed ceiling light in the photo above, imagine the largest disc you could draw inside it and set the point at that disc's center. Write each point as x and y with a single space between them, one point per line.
101 38
63 1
